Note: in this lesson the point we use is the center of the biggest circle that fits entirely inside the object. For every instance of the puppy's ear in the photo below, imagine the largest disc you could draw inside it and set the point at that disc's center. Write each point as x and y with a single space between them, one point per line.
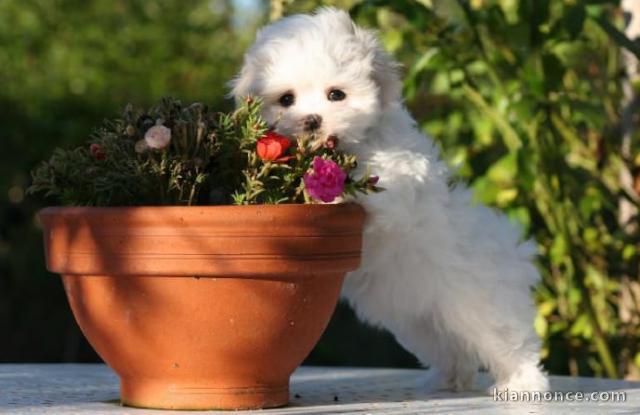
243 84
386 74
386 71
335 20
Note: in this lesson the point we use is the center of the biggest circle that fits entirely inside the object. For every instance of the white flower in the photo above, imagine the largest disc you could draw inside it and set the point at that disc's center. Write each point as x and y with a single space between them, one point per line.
158 137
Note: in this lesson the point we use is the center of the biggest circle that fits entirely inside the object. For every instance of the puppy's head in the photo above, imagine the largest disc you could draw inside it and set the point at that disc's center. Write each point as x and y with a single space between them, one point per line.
319 73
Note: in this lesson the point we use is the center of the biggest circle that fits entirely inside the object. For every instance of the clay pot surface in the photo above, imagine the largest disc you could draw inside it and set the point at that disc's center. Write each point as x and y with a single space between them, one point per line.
203 307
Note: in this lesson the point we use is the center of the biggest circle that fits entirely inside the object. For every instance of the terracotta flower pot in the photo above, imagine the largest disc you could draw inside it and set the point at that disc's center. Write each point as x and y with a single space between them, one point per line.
203 307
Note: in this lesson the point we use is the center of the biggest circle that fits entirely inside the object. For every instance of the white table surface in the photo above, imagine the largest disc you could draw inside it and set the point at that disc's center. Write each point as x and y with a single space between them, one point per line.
93 389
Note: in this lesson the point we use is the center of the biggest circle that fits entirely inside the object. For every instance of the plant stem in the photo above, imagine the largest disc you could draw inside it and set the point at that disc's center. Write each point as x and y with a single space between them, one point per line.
192 194
602 347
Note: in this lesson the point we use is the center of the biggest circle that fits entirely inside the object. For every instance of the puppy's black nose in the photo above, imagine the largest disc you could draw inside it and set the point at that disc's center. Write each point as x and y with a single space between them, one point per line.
312 122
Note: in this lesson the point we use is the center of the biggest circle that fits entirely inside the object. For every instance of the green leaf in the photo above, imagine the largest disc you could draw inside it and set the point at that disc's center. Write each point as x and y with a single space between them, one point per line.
628 252
392 40
558 250
485 191
504 170
547 307
541 325
581 327
510 10
506 196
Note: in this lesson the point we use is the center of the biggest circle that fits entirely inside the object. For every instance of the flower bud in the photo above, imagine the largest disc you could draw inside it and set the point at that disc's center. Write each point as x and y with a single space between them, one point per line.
331 143
141 146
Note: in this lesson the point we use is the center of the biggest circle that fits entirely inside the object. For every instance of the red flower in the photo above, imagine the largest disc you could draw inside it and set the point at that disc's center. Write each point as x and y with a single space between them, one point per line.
272 147
97 152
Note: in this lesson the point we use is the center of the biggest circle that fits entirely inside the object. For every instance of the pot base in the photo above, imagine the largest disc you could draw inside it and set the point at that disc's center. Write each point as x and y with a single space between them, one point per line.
165 395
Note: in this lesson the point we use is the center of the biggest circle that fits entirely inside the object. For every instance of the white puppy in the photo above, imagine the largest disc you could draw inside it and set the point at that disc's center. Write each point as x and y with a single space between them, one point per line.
450 280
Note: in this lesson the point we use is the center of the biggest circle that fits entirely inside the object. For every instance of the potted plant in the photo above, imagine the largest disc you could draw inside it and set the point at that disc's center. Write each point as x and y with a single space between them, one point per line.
194 252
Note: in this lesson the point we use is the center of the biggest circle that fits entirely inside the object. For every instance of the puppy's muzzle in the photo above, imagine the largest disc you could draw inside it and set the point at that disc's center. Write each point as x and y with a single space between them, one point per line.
312 122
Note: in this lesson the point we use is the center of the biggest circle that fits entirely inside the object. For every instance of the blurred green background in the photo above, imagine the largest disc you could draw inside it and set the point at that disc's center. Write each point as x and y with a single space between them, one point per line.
531 100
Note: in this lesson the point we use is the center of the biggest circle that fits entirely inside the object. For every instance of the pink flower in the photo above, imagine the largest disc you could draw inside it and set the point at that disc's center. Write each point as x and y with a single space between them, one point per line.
326 181
158 137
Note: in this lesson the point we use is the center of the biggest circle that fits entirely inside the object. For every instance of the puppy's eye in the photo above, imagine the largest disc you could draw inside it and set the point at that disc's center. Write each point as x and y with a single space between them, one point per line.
336 95
287 100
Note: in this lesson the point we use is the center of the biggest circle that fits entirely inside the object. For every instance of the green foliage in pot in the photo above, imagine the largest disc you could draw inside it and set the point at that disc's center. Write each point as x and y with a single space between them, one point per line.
175 154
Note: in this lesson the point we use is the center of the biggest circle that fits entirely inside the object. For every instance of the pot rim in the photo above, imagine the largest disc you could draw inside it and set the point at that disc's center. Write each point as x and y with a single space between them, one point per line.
50 210
256 240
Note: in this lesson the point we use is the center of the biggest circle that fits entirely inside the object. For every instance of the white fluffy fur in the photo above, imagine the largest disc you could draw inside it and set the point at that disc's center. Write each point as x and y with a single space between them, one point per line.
450 280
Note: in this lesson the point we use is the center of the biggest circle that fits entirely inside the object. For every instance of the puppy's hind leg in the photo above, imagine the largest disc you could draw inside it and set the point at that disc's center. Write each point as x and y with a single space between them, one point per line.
504 341
485 296
450 366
